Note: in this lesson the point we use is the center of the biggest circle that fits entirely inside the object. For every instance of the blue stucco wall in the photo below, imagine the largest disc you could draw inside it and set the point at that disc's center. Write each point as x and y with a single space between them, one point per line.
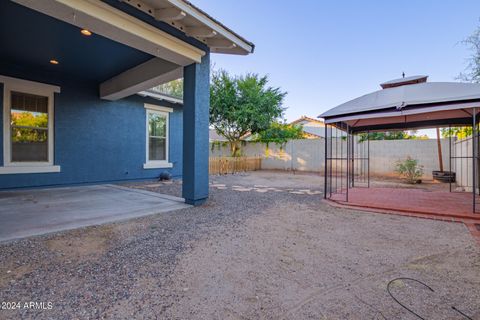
97 140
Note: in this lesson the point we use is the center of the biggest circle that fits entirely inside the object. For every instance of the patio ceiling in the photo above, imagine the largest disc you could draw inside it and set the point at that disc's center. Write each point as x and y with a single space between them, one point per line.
112 23
44 38
157 45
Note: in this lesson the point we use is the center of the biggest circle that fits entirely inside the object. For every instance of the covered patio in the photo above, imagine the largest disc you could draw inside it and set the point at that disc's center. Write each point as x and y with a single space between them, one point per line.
74 108
26 213
403 104
72 80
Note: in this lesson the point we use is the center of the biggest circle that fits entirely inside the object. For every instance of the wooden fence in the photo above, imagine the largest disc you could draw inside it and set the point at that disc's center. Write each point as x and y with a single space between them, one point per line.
226 165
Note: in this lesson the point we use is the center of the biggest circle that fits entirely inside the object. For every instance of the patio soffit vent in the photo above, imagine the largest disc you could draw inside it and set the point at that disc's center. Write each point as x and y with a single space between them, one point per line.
404 81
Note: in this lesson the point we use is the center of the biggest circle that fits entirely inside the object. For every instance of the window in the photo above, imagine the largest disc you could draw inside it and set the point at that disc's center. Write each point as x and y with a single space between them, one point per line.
27 127
157 137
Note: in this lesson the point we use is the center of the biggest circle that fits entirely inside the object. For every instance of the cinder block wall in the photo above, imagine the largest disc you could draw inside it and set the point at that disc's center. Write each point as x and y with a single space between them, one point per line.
385 153
309 155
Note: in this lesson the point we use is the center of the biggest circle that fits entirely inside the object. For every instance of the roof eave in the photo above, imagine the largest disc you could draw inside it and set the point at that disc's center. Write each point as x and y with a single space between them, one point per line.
199 26
217 26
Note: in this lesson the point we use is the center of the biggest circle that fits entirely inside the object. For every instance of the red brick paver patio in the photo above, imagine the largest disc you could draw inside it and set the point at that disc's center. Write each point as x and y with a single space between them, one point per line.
438 205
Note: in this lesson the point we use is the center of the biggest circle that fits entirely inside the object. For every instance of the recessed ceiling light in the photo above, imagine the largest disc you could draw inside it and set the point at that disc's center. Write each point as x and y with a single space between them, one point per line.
53 61
86 32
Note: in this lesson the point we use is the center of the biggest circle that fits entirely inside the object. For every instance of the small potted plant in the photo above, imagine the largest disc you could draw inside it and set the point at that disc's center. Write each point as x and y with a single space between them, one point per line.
410 170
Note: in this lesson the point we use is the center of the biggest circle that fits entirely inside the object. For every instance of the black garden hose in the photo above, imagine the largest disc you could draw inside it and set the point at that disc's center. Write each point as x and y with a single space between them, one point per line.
410 310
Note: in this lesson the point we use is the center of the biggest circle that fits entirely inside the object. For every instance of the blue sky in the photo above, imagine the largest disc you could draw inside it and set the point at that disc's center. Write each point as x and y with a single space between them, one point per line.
324 53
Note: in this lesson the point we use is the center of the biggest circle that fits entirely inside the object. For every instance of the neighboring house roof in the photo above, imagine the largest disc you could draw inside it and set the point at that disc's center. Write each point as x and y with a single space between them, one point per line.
196 23
307 119
313 128
160 96
247 137
214 136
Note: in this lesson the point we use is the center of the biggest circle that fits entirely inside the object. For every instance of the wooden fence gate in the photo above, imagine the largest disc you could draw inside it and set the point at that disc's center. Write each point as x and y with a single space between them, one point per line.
226 165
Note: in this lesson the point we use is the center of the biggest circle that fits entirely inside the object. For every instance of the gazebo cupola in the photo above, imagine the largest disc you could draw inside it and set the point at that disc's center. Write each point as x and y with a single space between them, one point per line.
403 81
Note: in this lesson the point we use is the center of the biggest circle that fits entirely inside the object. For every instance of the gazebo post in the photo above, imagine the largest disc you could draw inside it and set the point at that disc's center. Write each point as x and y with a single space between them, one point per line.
336 161
474 157
325 175
368 158
353 159
450 156
348 160
331 161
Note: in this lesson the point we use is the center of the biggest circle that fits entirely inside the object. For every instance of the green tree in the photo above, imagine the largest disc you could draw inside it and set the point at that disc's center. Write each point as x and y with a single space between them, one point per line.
471 74
459 132
173 88
239 105
388 135
280 133
472 71
29 127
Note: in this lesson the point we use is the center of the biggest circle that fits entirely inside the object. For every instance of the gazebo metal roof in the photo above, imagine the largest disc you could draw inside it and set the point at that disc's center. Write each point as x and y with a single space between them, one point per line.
411 103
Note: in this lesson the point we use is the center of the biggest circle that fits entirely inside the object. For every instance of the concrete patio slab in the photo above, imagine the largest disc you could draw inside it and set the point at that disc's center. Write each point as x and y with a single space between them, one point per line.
25 213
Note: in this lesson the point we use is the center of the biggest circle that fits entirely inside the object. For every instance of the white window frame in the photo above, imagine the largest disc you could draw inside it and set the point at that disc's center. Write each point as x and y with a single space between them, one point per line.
29 87
165 111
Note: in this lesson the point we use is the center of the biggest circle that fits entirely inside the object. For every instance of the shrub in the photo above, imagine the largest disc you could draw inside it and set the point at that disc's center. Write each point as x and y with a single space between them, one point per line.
410 170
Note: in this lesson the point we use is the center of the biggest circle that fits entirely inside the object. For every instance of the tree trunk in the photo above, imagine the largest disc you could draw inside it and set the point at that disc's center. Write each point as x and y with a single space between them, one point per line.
234 148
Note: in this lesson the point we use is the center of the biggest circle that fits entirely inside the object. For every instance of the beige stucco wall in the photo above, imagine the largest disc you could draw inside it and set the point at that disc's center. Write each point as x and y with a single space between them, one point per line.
309 155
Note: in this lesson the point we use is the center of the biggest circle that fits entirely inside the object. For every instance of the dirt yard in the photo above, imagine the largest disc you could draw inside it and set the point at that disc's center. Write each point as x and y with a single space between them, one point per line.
264 246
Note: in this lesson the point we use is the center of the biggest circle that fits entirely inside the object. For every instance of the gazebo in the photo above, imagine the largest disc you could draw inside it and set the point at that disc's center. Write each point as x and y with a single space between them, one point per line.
408 103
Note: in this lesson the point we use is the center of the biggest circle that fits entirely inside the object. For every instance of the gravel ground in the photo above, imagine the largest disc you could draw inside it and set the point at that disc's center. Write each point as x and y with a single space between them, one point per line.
263 246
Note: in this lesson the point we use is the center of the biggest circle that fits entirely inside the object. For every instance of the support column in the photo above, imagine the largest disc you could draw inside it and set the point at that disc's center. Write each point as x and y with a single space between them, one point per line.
196 108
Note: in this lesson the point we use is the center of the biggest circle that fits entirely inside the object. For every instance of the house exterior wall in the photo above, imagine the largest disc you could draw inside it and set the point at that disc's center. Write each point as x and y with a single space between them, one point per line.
1 124
96 140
